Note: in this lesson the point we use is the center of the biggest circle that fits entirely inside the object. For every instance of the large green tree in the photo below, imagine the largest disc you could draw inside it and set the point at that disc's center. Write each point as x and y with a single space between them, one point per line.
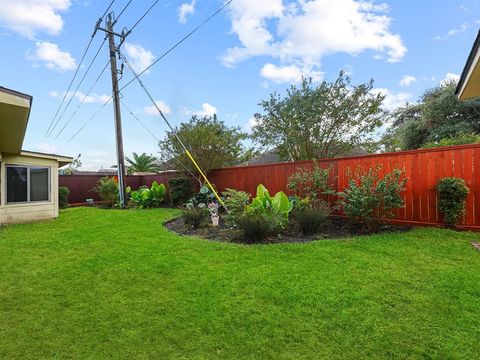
318 121
438 115
142 163
212 143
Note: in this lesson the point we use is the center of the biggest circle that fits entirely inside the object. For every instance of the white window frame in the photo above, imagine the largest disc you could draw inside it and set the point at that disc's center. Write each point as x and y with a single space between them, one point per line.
28 167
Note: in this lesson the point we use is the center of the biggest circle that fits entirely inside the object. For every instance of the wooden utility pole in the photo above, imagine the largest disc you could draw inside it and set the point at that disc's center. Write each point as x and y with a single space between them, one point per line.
116 109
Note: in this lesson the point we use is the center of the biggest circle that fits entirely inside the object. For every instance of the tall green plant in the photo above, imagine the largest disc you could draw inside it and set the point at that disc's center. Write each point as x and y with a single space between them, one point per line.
278 206
452 194
146 197
370 198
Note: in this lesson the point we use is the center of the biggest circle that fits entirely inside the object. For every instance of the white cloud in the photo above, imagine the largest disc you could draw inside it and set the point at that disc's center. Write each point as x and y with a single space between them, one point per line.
251 123
92 98
452 32
152 110
28 17
393 100
139 57
288 74
206 110
449 77
185 10
46 148
407 80
301 33
52 57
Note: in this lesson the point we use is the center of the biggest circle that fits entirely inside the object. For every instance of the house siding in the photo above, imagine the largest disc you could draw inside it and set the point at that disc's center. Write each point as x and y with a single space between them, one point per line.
28 212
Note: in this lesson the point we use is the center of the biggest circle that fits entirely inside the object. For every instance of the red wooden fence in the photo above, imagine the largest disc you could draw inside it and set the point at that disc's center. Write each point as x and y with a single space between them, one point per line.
423 168
81 185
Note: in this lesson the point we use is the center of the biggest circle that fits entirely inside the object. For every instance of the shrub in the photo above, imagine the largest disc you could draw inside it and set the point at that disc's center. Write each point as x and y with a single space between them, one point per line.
277 207
195 217
146 197
63 193
452 193
369 198
202 198
107 189
311 218
458 139
257 226
180 189
311 184
235 201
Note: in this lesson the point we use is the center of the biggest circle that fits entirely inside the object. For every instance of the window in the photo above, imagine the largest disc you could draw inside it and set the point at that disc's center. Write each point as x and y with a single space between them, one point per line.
27 184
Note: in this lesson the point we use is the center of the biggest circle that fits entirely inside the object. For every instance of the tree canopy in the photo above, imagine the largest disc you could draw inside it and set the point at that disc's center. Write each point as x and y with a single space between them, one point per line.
437 117
212 143
142 163
319 121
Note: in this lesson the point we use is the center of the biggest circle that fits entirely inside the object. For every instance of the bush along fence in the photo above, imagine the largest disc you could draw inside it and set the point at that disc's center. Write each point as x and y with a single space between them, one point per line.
423 170
81 186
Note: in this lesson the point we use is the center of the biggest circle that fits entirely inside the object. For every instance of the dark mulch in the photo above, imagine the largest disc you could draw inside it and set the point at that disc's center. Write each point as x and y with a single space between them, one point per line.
337 228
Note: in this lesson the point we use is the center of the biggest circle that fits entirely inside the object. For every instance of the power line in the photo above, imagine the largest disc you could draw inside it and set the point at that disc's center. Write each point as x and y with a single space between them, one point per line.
108 8
141 18
90 119
76 89
138 120
179 42
156 61
157 139
121 12
187 152
83 100
77 69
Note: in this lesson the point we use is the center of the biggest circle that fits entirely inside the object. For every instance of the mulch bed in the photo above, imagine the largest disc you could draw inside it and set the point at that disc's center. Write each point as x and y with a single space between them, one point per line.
338 228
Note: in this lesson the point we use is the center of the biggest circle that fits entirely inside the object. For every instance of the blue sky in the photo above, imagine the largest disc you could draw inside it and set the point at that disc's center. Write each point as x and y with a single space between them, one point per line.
251 49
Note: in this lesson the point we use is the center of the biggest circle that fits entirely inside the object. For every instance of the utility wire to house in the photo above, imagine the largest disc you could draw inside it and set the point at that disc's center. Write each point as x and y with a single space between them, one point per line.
87 94
194 30
77 69
156 138
187 152
72 96
168 51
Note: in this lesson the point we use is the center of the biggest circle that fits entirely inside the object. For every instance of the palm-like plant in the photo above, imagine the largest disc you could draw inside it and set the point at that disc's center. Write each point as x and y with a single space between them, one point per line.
142 163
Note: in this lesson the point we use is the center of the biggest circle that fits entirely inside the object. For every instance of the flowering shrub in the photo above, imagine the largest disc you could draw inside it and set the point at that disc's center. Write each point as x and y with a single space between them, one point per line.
370 198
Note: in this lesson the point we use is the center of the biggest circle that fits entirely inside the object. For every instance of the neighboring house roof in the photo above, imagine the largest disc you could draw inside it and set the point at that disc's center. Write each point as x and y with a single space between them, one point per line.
271 156
469 84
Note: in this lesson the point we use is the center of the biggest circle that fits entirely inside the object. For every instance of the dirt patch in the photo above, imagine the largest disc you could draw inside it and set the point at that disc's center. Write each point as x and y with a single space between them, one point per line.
476 245
337 228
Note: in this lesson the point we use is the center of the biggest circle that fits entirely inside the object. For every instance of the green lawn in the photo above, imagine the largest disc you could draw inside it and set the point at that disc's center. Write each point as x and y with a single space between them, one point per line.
114 284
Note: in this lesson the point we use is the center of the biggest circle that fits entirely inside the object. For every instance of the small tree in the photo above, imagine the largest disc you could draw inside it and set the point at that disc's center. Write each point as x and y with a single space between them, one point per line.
452 194
212 143
319 121
311 184
142 163
370 198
